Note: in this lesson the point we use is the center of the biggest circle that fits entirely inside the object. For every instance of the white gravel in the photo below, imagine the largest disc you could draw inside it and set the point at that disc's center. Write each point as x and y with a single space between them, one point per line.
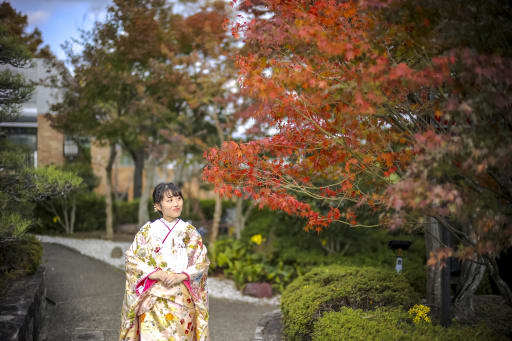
101 249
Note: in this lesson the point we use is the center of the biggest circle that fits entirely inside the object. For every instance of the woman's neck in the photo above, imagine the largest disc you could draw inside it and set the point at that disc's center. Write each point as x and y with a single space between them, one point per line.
170 220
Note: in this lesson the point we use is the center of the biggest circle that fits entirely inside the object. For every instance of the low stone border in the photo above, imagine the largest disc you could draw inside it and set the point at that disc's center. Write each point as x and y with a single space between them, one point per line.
22 308
270 327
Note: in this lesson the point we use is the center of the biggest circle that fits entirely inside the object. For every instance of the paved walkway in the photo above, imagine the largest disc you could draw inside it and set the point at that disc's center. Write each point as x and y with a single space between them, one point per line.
88 296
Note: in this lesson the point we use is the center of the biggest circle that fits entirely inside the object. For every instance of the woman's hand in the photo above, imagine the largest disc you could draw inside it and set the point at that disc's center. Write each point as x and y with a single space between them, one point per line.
169 279
172 279
157 275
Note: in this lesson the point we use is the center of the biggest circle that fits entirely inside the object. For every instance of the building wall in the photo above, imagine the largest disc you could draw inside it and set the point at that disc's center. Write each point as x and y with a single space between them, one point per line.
122 176
50 143
31 129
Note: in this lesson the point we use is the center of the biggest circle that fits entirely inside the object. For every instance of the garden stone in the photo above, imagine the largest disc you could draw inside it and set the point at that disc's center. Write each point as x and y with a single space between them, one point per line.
117 252
270 327
259 290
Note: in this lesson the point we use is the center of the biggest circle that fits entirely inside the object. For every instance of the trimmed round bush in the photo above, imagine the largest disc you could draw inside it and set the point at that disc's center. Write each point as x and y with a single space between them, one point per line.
330 288
391 324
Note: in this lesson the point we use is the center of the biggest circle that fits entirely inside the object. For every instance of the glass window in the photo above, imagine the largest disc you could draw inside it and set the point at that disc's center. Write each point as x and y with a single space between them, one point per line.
21 136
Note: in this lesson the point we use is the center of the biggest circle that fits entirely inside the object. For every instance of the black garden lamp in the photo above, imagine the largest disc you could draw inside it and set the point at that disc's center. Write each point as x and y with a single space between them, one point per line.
398 246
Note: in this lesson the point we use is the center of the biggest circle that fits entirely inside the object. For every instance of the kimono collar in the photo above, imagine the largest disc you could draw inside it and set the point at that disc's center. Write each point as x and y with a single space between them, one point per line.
169 226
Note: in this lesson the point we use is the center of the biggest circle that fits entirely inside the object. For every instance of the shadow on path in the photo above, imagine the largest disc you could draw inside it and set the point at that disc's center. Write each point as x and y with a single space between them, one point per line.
88 295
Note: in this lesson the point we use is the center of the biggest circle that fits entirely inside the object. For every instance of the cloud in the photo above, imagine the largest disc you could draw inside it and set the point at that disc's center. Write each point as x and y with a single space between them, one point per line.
38 17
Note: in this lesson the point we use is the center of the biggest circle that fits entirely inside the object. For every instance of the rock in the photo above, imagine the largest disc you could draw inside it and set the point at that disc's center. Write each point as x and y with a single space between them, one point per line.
259 290
270 327
128 228
117 252
22 308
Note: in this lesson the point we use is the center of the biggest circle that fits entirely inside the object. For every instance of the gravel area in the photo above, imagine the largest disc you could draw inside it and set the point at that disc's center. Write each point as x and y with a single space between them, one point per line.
101 250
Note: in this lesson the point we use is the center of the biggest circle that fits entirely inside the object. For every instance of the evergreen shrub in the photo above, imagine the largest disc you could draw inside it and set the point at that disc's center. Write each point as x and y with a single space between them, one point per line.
391 324
19 257
288 243
330 288
90 215
126 212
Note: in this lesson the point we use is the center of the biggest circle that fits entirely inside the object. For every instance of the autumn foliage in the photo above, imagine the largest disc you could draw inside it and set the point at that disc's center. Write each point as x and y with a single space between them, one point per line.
397 107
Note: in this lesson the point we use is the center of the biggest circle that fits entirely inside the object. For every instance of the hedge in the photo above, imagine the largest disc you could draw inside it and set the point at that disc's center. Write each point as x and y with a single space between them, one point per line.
391 324
288 243
90 214
330 288
18 258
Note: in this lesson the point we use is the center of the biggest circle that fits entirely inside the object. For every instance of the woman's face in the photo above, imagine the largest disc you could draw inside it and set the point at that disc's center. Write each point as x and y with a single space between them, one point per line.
170 206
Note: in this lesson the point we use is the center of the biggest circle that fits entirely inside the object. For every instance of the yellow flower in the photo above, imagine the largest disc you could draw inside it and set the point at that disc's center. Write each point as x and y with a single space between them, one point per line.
169 317
324 242
257 239
56 219
420 313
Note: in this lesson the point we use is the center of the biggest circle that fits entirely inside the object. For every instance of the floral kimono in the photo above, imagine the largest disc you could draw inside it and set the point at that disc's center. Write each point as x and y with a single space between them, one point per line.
152 311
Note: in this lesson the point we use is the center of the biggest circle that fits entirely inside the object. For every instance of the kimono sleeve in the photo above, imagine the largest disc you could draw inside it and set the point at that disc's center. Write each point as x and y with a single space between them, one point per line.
139 264
140 261
197 273
198 262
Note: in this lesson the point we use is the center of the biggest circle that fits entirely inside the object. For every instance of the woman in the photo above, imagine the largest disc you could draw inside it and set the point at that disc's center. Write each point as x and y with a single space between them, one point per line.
166 297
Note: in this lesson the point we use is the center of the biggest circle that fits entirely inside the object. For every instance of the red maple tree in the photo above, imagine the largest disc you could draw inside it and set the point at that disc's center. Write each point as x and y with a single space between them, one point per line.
401 107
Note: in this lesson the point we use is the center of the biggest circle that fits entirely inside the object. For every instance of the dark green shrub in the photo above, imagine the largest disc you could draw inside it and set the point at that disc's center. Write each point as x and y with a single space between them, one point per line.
207 206
90 215
19 257
289 244
90 212
391 324
126 212
330 288
84 170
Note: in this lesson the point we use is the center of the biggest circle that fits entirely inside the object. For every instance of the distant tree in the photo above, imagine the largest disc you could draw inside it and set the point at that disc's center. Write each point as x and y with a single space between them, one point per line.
133 83
17 183
62 188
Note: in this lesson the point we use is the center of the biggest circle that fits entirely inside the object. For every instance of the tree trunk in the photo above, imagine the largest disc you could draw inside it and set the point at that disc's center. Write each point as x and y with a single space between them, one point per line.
432 242
196 207
241 216
146 190
471 275
218 201
138 156
217 214
73 212
503 287
51 208
108 200
66 217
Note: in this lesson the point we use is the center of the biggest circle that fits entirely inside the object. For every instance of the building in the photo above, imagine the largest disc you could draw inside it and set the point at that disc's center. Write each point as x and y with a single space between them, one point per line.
47 146
32 129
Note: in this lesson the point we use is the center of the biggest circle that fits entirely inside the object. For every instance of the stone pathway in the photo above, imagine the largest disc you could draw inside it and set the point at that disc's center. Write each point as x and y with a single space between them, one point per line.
87 296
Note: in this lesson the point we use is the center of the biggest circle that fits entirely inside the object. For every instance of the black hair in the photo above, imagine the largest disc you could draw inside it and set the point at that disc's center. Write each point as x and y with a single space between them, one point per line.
164 187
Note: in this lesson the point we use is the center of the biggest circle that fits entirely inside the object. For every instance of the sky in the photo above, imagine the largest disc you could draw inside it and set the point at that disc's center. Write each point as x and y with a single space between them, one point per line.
61 20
